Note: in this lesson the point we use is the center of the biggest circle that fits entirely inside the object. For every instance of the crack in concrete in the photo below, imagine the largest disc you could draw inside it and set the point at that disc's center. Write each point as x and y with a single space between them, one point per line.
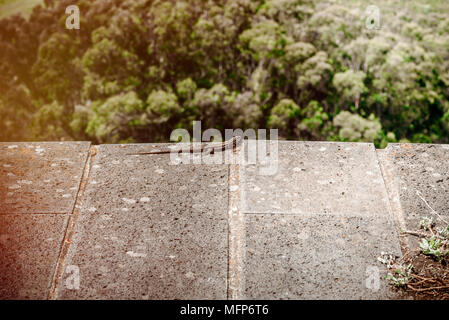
70 229
391 187
236 231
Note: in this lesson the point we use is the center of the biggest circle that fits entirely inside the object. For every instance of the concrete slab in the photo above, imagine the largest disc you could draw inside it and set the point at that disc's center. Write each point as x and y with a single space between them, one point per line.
149 230
316 228
318 177
420 179
40 177
29 246
317 257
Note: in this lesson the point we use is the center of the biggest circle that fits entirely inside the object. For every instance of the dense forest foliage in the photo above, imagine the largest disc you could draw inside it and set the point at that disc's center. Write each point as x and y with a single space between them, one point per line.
137 69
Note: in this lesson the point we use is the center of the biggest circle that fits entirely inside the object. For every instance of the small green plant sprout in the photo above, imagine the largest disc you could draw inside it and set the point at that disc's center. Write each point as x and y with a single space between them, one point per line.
426 223
431 247
401 276
387 259
444 232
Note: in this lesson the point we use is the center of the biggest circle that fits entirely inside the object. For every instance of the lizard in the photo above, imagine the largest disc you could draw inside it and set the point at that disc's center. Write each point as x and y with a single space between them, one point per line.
211 147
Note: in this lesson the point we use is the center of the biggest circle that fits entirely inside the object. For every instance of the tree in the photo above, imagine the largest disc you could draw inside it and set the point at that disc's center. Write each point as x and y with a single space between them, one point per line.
138 69
353 127
116 119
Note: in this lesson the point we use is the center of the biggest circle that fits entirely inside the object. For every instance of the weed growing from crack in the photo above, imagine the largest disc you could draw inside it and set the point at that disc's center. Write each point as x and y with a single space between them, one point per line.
423 271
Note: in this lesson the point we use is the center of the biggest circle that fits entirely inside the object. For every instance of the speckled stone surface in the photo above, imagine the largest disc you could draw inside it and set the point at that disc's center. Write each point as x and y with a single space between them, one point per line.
317 257
40 177
318 177
316 228
148 229
421 178
29 248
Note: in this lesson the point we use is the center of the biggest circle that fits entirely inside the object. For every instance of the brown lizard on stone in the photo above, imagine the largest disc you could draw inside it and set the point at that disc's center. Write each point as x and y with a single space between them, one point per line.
204 147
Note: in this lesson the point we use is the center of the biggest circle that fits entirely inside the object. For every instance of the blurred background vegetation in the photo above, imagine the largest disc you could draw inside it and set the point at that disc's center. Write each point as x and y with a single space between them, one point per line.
137 69
24 7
